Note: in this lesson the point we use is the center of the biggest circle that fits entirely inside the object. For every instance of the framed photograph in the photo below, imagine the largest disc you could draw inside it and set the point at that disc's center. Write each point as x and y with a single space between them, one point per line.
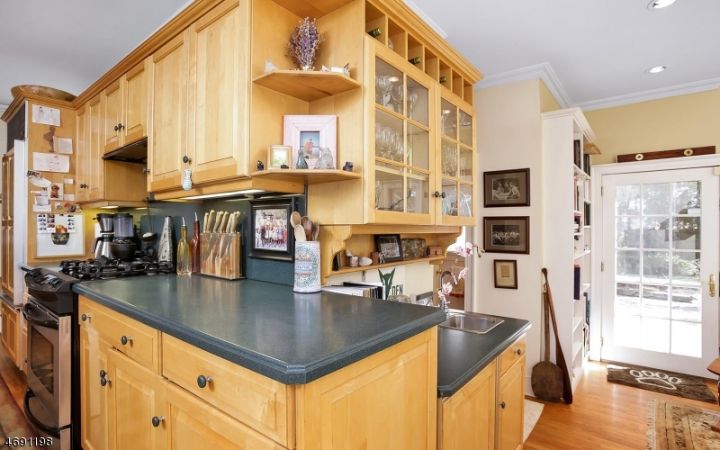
507 188
313 140
413 248
506 234
389 246
271 236
505 273
278 156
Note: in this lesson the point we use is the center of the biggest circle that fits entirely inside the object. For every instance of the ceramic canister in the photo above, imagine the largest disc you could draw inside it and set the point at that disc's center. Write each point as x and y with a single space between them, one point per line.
307 266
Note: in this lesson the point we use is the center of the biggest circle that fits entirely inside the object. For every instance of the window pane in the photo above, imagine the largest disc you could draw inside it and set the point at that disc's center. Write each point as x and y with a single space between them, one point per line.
388 188
388 137
418 196
627 200
656 267
417 101
388 86
687 197
655 232
686 339
449 203
466 165
627 300
628 264
686 233
686 304
465 128
449 158
628 232
449 119
686 267
465 200
655 301
418 147
656 198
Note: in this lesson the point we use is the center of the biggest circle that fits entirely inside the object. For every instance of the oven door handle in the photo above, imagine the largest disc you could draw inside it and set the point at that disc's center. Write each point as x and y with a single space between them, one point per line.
36 316
52 431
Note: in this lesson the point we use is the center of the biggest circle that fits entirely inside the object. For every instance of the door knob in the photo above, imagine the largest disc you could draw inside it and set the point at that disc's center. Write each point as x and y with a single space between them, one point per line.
712 286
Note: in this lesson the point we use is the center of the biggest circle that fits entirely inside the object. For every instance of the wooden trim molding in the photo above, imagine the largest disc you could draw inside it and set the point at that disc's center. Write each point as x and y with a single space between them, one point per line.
663 154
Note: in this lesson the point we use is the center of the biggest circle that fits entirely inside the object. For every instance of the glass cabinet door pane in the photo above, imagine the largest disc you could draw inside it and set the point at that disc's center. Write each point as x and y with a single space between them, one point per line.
466 165
418 195
417 101
448 119
389 137
465 200
389 188
449 203
418 147
465 128
449 158
389 90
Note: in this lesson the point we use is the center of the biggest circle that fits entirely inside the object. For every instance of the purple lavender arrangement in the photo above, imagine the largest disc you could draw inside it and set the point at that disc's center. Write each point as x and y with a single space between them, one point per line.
304 43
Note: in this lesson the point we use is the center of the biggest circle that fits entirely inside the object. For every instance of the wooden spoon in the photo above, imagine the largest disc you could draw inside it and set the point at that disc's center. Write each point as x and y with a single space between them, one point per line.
315 231
295 219
308 227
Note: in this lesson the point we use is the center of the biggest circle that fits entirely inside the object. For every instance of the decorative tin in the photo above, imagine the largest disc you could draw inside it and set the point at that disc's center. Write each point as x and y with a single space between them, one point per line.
307 266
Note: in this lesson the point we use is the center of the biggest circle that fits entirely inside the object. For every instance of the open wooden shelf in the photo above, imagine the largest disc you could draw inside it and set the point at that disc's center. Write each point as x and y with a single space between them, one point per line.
309 176
307 85
345 270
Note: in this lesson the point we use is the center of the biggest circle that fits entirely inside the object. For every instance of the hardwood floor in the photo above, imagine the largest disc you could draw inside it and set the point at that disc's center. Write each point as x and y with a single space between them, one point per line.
603 416
13 377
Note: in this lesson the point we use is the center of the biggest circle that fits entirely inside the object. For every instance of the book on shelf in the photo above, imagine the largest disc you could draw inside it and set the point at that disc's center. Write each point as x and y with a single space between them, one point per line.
577 152
577 285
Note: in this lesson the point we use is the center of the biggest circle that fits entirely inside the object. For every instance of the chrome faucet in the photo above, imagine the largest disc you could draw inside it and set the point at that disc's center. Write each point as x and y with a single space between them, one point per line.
444 302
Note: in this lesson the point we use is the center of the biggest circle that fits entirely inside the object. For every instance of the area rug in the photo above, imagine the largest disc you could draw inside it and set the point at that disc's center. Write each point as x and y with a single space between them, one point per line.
533 410
12 419
680 427
686 386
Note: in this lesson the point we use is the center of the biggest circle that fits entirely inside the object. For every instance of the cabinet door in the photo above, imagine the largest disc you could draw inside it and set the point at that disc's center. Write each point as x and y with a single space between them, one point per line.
218 100
467 419
112 116
96 180
169 113
196 425
82 149
511 398
135 403
10 331
136 101
93 389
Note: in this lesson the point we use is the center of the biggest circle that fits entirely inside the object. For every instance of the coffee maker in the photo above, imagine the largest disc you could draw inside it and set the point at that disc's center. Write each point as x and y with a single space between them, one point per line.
123 245
106 230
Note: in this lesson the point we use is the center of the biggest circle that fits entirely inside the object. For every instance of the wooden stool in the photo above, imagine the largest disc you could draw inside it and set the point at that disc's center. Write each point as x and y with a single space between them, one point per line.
714 367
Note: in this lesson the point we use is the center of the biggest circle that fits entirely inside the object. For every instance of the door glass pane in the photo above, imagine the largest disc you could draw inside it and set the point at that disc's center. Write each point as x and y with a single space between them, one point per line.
388 86
449 203
687 197
465 128
655 301
656 233
627 200
686 267
686 339
465 200
686 233
686 304
417 101
628 265
449 158
448 119
656 266
656 198
388 137
466 164
418 147
418 196
628 232
389 188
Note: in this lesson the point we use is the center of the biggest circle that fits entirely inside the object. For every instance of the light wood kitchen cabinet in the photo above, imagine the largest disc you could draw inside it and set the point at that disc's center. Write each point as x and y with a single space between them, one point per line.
7 225
10 324
94 389
125 111
200 100
82 150
511 398
112 116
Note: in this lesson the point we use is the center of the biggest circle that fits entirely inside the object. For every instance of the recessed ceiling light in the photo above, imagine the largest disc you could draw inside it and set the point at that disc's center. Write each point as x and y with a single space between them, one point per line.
656 69
658 4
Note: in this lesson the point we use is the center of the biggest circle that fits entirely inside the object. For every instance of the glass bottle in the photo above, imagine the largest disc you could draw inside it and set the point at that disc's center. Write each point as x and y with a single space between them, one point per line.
183 253
195 246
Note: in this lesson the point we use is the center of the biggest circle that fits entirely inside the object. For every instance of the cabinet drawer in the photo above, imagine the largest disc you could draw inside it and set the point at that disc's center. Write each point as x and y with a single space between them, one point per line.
512 354
259 402
139 342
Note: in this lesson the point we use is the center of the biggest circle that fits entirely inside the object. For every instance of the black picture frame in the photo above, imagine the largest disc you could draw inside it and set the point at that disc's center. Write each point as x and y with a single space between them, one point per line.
507 234
506 188
279 243
389 246
499 265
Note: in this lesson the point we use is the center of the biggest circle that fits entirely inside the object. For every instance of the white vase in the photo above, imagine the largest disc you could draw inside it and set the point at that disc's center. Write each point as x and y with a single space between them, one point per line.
307 266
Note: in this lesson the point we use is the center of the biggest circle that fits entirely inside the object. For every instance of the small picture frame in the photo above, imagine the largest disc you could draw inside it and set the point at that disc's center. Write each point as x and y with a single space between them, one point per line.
279 156
271 235
506 234
504 188
505 271
389 246
313 140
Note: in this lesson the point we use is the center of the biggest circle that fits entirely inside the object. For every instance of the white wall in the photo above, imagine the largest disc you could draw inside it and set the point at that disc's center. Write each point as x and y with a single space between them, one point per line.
415 278
509 136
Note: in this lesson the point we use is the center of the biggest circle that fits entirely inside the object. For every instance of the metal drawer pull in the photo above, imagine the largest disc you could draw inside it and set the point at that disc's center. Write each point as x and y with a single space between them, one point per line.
156 421
125 339
203 381
502 405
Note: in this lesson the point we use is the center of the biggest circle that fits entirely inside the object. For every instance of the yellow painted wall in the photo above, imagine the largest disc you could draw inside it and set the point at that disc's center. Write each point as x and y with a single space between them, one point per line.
547 100
676 122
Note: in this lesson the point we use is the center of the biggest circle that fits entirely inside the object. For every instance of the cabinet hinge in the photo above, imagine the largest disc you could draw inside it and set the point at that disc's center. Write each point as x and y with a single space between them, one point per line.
602 191
602 266
602 341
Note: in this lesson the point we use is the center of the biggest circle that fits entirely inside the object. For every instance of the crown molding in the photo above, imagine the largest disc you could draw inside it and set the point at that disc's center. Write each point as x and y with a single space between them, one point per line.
3 107
434 25
543 71
652 94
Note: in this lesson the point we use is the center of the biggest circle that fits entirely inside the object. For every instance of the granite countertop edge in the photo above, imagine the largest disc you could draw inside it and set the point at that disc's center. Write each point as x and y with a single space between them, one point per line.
263 364
447 390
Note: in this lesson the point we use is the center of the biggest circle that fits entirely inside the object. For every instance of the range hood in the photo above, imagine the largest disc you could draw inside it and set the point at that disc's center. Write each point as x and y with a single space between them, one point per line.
131 153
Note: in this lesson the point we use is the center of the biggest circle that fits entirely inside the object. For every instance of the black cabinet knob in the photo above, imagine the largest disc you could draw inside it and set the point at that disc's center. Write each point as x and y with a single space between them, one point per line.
84 317
104 381
120 126
156 421
203 381
186 159
438 194
125 339
102 373
116 128
518 352
503 405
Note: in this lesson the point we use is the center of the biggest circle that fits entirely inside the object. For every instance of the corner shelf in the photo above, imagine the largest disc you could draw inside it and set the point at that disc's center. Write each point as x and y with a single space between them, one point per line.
307 85
308 176
345 270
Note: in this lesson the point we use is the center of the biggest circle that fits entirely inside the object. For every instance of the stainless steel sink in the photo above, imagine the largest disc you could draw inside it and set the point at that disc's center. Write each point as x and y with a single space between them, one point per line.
472 322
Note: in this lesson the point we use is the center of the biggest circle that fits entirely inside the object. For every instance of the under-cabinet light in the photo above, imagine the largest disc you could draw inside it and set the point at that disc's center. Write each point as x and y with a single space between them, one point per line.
658 4
109 207
222 194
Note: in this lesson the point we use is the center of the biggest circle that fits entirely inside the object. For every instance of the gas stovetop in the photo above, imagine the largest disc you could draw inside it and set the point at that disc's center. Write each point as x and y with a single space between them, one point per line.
105 268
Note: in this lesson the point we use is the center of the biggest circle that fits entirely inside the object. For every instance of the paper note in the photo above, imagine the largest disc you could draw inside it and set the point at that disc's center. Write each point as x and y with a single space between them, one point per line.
68 181
63 145
51 162
46 115
69 197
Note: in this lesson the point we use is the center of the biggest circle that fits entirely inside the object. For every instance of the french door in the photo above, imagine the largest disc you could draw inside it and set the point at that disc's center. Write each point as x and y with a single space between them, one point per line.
660 258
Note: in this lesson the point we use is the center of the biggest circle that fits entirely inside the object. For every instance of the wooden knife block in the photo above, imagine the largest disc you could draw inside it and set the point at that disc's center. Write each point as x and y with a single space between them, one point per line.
221 255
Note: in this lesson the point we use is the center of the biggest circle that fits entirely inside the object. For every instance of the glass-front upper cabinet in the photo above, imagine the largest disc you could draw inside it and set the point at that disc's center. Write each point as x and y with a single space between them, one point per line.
403 157
457 162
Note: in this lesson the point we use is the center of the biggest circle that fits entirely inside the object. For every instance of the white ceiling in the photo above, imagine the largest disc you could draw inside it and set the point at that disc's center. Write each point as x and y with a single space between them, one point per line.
598 49
69 44
588 51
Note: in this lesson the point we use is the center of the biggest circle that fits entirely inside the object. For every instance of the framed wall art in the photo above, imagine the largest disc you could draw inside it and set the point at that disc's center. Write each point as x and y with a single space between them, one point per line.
313 140
279 156
505 271
271 236
389 246
506 234
505 188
